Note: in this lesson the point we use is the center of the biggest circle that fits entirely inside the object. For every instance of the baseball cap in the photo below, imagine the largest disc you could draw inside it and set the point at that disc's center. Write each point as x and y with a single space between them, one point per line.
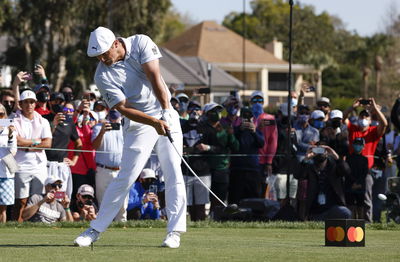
182 95
147 173
336 114
40 86
99 103
257 93
51 180
100 41
86 190
174 99
57 95
27 94
194 103
324 100
211 106
359 141
317 114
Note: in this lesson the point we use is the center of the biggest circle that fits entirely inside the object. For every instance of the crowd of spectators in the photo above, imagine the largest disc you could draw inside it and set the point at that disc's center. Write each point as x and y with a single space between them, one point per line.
58 154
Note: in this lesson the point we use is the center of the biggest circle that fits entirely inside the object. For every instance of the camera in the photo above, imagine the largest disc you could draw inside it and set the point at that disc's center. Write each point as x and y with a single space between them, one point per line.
115 126
153 189
365 101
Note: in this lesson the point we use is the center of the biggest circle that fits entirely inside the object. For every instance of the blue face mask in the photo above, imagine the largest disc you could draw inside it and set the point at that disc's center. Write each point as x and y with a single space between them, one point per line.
257 109
302 119
232 110
358 148
318 124
183 106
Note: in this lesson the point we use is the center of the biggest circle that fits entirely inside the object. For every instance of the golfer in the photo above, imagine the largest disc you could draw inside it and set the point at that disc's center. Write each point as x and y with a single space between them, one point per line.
128 77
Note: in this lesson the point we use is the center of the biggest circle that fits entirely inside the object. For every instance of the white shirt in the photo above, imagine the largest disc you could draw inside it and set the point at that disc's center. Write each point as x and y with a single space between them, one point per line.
6 147
29 161
126 79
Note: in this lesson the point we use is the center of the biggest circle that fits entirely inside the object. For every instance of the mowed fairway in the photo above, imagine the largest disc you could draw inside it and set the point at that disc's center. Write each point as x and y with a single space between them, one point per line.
199 244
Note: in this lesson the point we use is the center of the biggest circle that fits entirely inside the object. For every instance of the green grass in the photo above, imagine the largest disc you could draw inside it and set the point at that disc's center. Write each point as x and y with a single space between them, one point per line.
206 241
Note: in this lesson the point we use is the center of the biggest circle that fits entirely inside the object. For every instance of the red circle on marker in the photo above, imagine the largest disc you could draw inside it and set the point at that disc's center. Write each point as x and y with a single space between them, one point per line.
331 233
351 234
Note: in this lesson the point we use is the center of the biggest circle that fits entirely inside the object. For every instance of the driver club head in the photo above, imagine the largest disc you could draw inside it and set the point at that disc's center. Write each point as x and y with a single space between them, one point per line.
231 209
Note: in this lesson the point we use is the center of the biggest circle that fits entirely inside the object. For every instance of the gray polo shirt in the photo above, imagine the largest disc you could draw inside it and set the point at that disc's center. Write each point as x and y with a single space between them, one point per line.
126 79
48 212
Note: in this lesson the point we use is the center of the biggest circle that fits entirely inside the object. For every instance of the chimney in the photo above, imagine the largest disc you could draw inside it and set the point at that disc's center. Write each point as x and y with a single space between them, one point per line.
276 48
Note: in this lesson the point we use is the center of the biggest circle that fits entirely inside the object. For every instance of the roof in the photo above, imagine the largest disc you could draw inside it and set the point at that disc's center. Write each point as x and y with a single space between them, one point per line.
216 43
219 76
193 71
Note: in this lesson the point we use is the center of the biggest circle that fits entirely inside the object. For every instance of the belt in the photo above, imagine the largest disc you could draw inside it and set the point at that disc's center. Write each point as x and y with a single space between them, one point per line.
108 167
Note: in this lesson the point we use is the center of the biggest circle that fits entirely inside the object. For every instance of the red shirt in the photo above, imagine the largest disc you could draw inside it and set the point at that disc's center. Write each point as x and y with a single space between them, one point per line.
42 111
371 139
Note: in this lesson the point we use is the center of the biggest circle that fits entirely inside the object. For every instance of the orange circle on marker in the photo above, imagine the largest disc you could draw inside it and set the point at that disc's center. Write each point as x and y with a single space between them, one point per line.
331 233
352 234
339 234
359 234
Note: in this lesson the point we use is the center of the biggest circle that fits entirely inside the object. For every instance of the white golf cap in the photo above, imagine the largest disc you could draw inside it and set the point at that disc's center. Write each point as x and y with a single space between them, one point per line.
147 173
336 114
211 106
86 190
27 94
51 180
100 41
182 95
257 93
324 100
316 114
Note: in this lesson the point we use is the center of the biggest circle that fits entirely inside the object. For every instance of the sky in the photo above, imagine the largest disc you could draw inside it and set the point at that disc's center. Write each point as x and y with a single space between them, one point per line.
363 16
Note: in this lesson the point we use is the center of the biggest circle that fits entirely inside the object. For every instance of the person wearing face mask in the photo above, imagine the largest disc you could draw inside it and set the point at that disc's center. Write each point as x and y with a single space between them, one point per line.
355 181
100 108
196 194
232 107
335 133
183 105
307 135
371 136
68 94
42 105
324 172
257 103
143 199
217 140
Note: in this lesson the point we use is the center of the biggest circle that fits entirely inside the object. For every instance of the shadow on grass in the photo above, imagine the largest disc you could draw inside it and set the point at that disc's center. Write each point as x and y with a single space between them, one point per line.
72 245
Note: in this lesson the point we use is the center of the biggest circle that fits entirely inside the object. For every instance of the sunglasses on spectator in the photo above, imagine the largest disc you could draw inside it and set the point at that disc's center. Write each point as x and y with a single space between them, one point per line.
66 109
87 197
54 185
323 105
2 114
257 100
9 102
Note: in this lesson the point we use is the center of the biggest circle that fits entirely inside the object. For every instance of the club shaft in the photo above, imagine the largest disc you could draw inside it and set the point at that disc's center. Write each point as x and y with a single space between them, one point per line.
198 178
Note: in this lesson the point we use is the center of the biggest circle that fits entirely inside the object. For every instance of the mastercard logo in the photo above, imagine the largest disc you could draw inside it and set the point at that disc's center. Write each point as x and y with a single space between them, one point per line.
354 234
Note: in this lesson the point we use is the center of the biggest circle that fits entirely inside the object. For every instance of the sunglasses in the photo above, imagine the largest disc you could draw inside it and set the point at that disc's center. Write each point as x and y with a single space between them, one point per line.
9 102
66 109
323 105
2 114
87 197
54 185
257 100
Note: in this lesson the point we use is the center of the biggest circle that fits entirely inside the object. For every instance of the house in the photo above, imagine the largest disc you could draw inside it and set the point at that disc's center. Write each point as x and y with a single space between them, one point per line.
264 69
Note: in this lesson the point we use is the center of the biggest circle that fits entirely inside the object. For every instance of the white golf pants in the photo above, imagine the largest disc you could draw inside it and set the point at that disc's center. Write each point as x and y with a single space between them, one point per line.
139 140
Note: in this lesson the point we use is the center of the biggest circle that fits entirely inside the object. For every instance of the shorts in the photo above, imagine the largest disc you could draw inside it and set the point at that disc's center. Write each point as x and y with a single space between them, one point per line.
28 184
280 186
7 191
196 193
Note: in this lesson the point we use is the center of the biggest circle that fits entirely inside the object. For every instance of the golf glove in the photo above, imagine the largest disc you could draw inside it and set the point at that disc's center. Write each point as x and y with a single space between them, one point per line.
167 116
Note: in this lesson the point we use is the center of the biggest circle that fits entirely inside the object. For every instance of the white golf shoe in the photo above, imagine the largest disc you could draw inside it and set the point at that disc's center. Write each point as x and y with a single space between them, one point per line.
87 237
172 240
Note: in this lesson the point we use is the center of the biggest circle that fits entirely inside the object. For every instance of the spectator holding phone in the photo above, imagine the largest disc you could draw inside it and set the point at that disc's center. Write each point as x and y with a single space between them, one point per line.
51 207
84 207
8 148
107 137
63 131
100 108
371 136
7 99
143 200
325 194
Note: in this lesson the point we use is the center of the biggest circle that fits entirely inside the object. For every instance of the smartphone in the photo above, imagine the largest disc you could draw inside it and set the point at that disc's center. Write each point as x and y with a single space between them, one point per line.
318 150
28 77
153 189
115 126
6 122
365 101
68 118
59 195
